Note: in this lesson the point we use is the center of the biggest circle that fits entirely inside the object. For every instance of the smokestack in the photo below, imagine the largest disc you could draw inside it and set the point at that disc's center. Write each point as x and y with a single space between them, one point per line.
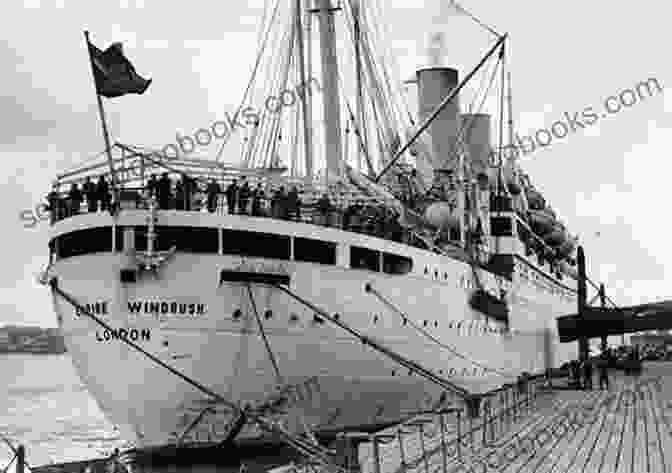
434 84
476 128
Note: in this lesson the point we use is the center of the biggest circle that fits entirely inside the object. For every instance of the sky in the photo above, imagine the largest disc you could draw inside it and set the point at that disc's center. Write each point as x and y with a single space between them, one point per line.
607 182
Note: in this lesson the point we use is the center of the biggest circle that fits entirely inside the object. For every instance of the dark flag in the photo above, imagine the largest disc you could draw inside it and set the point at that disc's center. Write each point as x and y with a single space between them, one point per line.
114 74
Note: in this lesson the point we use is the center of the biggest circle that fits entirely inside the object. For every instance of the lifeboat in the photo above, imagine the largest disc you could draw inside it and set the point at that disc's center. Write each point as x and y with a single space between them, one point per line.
567 247
566 269
535 199
513 186
440 215
557 236
542 221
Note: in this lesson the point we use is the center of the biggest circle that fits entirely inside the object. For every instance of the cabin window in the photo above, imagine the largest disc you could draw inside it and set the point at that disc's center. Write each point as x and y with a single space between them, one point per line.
119 239
501 226
82 242
314 251
364 258
395 264
254 244
186 239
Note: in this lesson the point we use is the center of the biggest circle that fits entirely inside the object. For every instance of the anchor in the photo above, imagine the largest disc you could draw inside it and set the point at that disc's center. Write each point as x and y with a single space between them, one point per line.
151 260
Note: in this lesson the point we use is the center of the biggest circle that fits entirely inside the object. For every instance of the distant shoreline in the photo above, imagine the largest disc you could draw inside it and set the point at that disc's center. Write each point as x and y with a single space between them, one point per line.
31 352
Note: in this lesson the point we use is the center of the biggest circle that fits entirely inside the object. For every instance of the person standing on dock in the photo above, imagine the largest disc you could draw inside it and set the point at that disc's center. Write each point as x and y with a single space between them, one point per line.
604 374
588 373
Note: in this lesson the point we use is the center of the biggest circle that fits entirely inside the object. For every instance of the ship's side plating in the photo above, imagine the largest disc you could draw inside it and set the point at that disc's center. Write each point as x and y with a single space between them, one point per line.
209 331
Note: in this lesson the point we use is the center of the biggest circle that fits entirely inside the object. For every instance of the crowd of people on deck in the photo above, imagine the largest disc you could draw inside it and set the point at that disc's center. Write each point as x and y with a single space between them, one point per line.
240 197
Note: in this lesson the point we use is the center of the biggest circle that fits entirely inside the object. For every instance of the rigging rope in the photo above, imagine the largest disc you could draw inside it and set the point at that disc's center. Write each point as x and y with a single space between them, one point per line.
254 70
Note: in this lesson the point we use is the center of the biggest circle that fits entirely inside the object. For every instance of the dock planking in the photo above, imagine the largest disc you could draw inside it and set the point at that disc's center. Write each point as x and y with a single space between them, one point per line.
626 429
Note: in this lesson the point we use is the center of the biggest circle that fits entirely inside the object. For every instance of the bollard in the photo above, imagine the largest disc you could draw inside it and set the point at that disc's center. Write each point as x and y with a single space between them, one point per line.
20 459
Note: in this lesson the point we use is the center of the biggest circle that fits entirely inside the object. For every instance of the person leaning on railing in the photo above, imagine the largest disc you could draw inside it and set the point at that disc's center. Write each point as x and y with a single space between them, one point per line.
293 204
213 190
56 205
75 199
323 207
258 198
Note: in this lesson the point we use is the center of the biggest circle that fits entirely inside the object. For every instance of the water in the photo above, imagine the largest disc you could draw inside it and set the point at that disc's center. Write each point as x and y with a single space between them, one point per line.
45 407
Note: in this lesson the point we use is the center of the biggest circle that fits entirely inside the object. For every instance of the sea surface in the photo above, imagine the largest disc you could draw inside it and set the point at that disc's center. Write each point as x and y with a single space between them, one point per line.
45 407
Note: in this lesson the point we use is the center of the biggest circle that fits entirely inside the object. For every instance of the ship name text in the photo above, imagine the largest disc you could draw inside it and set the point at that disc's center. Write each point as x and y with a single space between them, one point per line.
157 307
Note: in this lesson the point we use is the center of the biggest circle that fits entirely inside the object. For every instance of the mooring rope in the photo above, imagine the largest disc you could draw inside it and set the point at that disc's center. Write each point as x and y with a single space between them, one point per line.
279 378
311 450
406 363
369 288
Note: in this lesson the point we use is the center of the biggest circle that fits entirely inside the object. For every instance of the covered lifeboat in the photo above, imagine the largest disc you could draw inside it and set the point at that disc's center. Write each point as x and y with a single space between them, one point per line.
542 221
557 236
442 215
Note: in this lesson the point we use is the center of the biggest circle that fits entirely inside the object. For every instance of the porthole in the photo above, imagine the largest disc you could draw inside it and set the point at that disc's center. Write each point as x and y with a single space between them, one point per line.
268 314
237 314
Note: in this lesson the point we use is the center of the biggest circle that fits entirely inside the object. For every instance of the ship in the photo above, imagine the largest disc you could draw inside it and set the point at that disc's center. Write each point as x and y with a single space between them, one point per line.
422 263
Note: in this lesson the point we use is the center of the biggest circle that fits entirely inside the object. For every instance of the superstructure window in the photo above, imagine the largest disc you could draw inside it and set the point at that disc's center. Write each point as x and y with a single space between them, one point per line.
188 239
314 251
395 264
364 258
82 242
254 244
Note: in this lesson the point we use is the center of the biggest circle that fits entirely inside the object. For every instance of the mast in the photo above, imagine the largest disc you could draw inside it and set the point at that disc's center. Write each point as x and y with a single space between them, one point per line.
306 104
356 14
308 19
332 112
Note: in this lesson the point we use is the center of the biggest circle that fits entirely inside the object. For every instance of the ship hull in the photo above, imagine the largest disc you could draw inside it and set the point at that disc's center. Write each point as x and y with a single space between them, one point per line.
193 326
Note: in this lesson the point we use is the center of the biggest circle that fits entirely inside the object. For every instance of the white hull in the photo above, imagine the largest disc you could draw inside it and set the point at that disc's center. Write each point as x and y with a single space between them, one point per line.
357 385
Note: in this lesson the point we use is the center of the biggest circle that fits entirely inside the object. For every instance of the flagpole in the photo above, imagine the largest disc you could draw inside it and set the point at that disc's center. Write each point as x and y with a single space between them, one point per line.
101 111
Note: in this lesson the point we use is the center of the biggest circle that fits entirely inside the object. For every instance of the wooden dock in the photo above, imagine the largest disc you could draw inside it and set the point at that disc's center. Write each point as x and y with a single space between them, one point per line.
627 429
